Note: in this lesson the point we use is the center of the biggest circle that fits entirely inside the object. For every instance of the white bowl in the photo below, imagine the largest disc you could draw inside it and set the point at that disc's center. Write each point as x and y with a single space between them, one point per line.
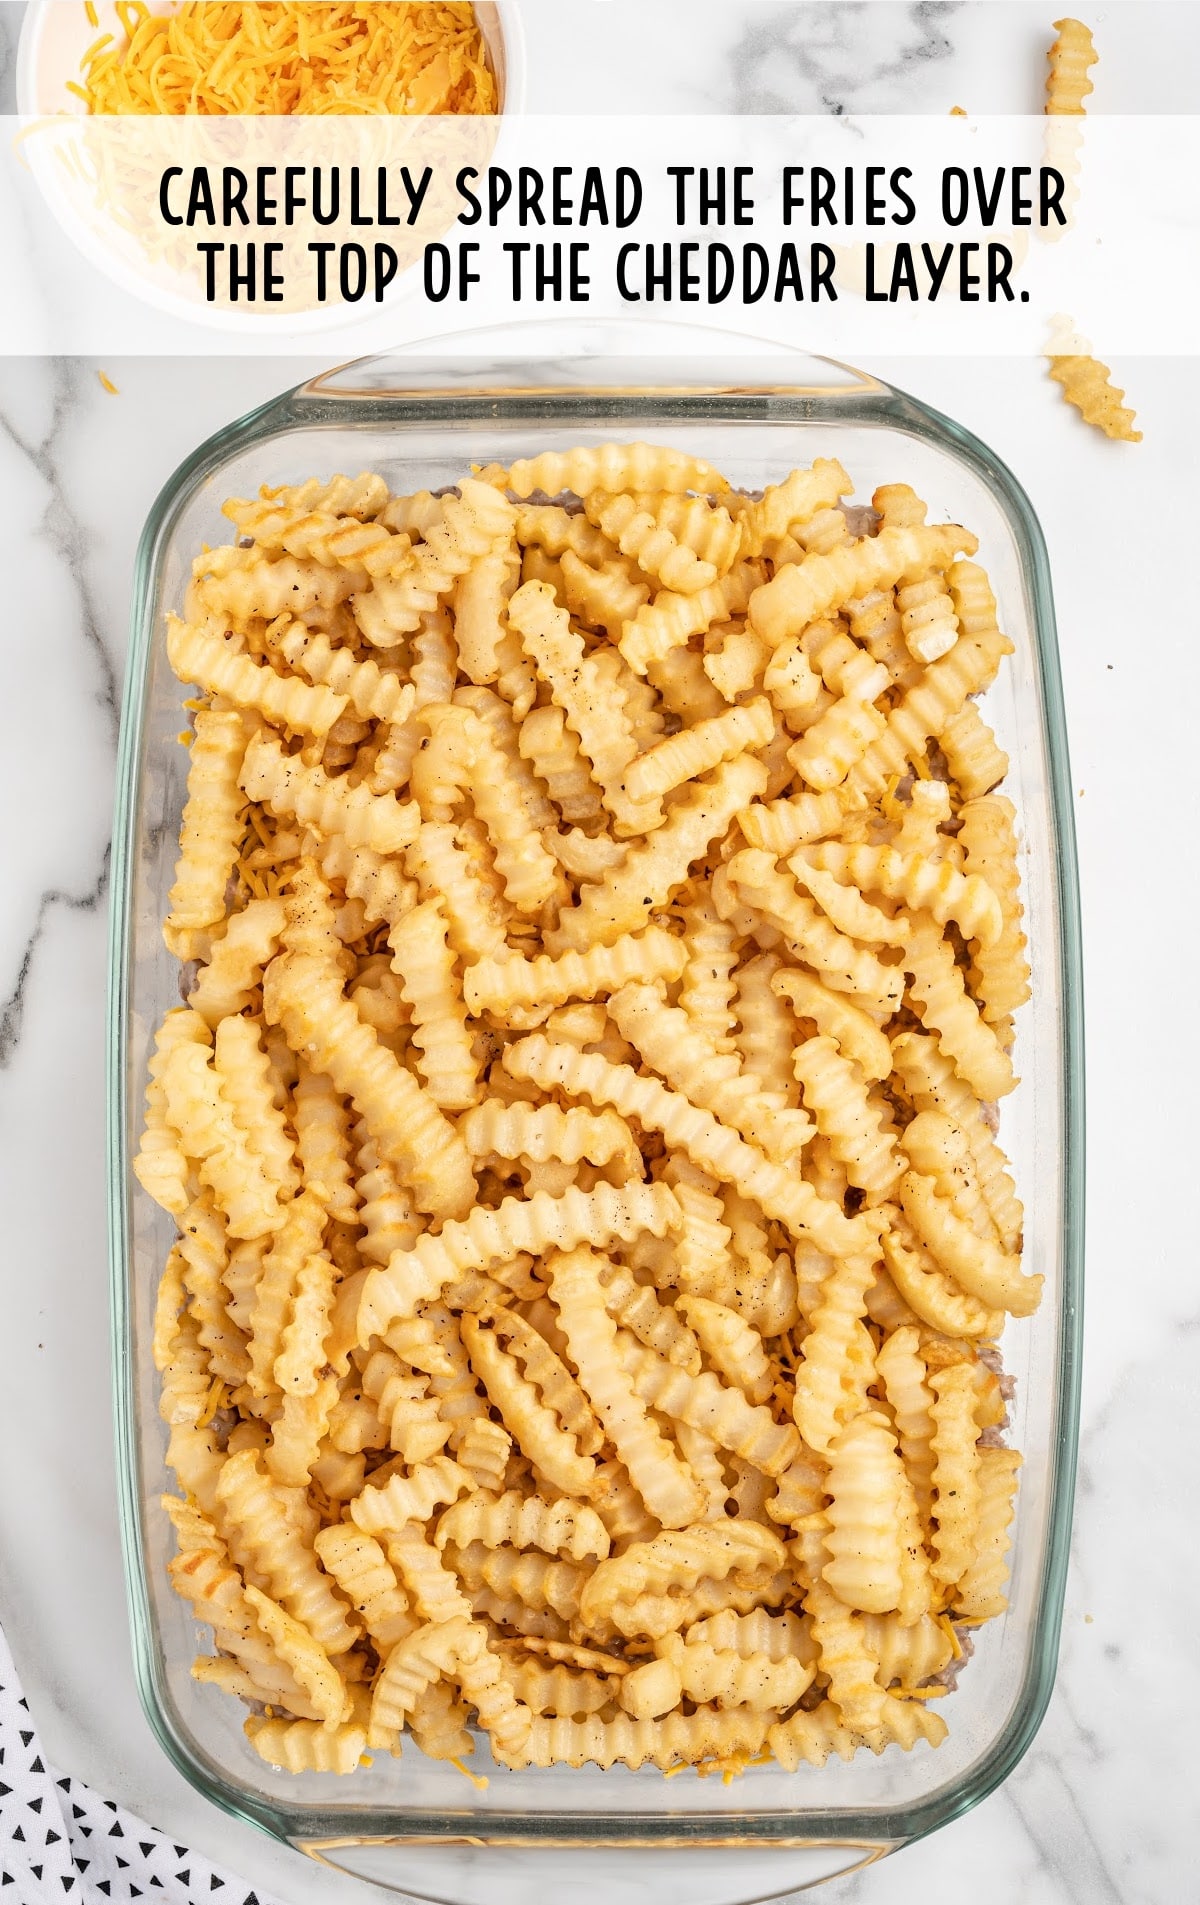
55 34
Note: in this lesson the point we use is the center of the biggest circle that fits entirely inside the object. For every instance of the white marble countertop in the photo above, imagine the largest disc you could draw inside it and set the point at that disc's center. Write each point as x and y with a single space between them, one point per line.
1099 1811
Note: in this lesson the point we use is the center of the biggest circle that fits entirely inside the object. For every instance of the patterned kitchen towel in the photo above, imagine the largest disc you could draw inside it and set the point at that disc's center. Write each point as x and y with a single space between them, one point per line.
60 1841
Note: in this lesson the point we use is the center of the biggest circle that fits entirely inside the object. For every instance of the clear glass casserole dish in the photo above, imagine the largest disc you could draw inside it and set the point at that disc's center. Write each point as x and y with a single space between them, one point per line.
421 424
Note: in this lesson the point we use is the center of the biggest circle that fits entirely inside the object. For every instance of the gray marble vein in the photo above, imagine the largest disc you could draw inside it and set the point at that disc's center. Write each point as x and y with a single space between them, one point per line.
64 672
61 528
1049 1810
10 27
822 59
12 1009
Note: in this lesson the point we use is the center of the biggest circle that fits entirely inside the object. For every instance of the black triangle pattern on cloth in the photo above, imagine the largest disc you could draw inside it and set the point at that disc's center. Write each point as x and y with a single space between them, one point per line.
59 1839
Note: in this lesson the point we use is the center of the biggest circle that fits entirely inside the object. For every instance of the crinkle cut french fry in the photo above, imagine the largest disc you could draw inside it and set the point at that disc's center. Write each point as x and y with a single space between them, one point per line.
471 525
247 1086
812 1737
956 1487
820 1402
679 1559
304 996
226 984
614 467
537 1581
980 1594
941 1001
704 527
679 1739
500 984
694 751
841 962
936 698
707 988
544 1132
362 497
411 1666
976 1263
645 538
1087 384
651 870
910 1399
203 655
796 500
551 1448
1067 82
835 1016
429 981
713 1407
835 1092
577 686
245 585
664 1482
580 1331
937 1147
161 1165
710 1144
974 758
989 841
288 785
209 831
657 635
801 593
507 801
375 693
308 1746
263 1535
318 536
863 1537
929 1078
728 1679
933 1296
198 1110
714 1081
765 1032
489 1237
919 883
567 1528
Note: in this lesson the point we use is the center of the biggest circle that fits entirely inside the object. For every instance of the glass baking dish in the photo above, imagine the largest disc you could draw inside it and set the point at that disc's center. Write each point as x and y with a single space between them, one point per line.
422 424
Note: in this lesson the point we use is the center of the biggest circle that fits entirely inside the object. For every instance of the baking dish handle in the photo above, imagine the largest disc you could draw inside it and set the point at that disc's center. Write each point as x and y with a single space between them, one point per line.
548 354
478 1871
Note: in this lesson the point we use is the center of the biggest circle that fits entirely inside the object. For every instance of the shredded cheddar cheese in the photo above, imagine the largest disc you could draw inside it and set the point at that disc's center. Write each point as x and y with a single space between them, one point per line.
107 383
218 1396
947 1627
291 56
